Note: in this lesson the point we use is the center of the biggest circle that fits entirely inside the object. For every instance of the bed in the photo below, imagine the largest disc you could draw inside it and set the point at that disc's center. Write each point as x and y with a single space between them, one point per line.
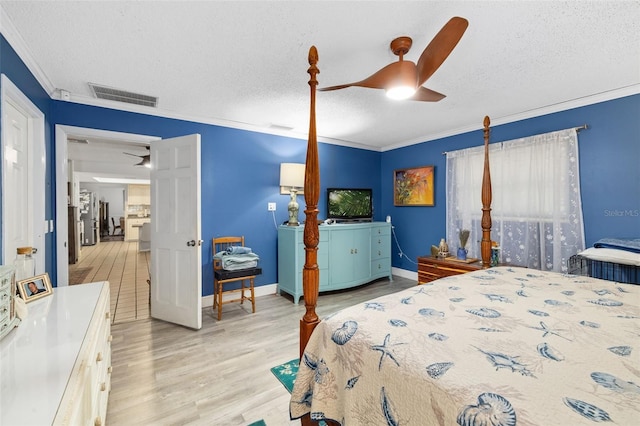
612 259
499 346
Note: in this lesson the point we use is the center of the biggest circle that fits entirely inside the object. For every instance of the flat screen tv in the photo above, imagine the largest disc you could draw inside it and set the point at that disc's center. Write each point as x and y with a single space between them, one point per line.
349 204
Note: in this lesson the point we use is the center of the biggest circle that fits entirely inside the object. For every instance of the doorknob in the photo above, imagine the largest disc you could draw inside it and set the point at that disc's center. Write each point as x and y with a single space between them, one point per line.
200 243
191 243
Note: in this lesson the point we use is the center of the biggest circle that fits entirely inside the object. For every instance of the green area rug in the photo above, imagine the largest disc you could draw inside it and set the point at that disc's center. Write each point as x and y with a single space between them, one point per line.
258 423
286 373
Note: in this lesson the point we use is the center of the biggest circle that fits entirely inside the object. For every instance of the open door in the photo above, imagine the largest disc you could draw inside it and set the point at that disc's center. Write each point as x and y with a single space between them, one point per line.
176 259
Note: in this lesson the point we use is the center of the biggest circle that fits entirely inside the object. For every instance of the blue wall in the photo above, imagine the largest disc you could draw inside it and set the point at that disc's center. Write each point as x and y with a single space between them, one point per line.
609 153
240 171
240 175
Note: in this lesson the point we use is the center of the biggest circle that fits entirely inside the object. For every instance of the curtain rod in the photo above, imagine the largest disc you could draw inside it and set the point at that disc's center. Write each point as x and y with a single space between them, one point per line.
577 129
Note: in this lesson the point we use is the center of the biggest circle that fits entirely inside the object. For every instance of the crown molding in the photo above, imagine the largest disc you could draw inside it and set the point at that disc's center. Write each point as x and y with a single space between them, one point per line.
10 32
622 92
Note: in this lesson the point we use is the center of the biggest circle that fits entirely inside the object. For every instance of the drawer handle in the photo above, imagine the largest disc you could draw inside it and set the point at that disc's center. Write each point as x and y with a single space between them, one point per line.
4 310
107 315
97 422
109 369
103 387
110 338
99 357
4 296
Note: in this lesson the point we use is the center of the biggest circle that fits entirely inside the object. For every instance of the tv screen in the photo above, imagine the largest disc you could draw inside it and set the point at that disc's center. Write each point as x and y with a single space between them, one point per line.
349 203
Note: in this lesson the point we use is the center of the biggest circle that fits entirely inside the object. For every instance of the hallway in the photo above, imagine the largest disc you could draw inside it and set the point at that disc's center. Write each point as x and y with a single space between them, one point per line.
127 272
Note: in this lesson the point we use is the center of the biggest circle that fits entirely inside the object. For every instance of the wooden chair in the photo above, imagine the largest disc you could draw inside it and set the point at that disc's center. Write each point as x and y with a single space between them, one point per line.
222 277
113 222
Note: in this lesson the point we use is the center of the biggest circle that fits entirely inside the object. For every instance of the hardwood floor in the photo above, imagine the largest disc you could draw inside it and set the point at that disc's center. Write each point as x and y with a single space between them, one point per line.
127 272
164 374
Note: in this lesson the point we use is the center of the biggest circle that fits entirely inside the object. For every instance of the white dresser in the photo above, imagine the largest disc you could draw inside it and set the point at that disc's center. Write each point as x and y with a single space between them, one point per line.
55 368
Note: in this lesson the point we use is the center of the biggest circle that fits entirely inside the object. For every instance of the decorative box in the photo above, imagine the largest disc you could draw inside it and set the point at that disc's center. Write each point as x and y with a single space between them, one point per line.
8 319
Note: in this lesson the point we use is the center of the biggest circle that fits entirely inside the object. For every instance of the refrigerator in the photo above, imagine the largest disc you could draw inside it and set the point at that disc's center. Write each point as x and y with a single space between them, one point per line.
89 218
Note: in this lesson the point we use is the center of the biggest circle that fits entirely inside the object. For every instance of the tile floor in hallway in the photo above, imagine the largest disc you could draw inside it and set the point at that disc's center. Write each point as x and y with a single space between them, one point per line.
127 271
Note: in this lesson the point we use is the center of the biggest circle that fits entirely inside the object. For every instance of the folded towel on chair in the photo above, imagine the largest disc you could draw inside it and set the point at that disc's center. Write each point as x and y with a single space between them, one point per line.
238 250
237 261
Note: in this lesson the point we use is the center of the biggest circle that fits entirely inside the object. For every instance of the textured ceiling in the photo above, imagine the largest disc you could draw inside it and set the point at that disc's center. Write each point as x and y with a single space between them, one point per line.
243 64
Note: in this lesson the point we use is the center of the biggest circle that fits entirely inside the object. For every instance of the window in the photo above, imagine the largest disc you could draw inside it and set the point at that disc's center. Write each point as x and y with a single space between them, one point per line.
536 208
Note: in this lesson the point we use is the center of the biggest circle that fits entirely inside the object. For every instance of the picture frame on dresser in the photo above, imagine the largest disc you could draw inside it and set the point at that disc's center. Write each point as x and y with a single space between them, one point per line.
34 288
414 187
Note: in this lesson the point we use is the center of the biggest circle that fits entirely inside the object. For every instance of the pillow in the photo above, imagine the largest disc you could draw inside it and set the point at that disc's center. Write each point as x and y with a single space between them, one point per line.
612 255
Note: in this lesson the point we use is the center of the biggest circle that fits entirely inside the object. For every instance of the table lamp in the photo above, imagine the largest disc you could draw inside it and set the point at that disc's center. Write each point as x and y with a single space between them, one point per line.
292 177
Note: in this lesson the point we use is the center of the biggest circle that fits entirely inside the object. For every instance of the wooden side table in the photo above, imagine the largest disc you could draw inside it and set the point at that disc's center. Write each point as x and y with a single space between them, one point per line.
432 268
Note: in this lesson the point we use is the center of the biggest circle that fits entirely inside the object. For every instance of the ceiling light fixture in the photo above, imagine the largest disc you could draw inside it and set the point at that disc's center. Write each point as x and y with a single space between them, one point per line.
404 84
146 162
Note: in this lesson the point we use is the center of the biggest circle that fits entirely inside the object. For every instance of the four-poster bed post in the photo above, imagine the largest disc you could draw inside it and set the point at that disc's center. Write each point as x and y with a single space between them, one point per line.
485 245
311 273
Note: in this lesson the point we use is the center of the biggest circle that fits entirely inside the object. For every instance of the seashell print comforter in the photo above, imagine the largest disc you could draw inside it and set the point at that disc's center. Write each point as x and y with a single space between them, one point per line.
501 346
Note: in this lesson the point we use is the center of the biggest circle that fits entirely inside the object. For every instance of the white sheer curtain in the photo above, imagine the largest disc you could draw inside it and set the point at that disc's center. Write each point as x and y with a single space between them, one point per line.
536 209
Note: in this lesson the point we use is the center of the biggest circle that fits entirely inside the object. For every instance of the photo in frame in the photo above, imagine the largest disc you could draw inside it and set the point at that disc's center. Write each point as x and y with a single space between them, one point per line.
35 288
413 186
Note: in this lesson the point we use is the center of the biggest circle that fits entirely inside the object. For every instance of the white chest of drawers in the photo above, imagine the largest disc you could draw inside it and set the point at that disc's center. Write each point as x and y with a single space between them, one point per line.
56 366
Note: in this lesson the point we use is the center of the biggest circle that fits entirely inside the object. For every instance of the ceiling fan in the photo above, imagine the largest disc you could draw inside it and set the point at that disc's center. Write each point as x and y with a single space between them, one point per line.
404 79
146 159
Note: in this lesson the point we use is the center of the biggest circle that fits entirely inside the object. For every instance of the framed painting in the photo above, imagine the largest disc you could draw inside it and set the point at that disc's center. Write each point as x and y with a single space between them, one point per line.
413 187
35 287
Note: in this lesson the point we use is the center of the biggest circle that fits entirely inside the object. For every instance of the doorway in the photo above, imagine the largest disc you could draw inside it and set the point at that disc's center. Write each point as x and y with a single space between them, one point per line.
65 179
118 262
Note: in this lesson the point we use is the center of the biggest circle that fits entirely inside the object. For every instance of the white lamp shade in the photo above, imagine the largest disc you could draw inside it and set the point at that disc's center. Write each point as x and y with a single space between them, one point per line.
292 175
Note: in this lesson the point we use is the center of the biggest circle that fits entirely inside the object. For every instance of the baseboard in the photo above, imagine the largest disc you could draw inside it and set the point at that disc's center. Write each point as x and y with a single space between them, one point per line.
262 290
405 273
268 289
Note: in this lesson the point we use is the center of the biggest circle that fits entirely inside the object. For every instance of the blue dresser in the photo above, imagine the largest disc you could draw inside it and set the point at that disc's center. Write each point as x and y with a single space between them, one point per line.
348 255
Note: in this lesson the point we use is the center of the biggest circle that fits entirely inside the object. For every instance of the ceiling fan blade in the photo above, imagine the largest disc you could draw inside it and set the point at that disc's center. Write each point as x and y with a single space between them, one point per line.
378 80
440 47
134 155
427 95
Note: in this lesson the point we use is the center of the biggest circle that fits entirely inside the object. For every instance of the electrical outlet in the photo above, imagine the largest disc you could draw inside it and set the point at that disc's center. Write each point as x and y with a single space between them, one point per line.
271 207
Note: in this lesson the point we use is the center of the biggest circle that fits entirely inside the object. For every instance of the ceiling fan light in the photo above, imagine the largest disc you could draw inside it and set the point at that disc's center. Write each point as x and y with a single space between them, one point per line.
146 162
400 92
405 81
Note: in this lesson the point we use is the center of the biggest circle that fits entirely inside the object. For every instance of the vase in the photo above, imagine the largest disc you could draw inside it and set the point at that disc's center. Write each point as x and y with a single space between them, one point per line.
462 253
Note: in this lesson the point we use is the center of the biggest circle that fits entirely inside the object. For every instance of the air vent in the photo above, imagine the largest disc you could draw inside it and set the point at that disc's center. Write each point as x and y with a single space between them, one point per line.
109 93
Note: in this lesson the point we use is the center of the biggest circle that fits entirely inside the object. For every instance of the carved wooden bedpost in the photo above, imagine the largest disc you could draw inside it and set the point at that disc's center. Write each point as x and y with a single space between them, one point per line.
485 245
311 273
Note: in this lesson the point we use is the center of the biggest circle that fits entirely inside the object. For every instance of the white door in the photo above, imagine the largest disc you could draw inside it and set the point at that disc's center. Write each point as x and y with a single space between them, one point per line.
22 176
176 260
